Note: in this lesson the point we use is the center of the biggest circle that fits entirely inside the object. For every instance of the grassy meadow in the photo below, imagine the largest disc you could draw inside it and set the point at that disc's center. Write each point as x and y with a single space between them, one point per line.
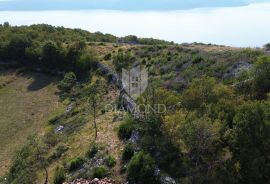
26 101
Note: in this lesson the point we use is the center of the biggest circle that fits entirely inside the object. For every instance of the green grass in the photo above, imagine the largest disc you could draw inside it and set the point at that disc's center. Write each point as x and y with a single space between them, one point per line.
26 102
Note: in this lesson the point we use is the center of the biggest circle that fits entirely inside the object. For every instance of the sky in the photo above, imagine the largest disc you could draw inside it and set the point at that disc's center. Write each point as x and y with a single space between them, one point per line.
127 5
243 23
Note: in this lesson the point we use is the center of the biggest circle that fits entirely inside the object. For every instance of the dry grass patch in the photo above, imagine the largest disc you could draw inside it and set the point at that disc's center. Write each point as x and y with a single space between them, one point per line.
26 101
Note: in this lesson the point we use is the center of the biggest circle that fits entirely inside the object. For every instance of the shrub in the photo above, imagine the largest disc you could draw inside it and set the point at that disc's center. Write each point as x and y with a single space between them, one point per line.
17 46
33 54
141 169
51 139
123 169
267 46
197 59
125 129
75 50
108 56
59 176
128 152
61 149
261 77
68 82
92 151
76 163
55 119
99 172
86 62
122 60
52 54
110 161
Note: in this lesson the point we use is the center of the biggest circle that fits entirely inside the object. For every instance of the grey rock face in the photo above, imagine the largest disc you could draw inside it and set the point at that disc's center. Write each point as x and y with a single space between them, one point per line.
59 129
135 136
237 69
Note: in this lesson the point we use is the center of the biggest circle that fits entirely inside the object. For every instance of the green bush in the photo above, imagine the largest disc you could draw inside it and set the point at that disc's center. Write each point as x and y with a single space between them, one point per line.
51 139
68 82
99 172
52 54
197 59
55 119
261 77
141 169
92 151
122 60
87 61
76 163
59 176
60 150
108 56
123 169
125 129
128 152
17 46
110 161
267 46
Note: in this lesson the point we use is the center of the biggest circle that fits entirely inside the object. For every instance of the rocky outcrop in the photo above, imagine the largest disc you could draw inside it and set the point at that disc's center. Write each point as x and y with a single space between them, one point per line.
127 102
238 69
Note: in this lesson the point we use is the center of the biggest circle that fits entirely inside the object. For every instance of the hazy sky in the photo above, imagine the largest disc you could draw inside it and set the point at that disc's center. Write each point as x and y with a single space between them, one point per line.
243 26
119 4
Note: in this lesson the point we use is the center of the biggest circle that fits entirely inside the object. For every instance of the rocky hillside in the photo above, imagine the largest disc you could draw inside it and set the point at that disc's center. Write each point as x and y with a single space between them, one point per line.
214 129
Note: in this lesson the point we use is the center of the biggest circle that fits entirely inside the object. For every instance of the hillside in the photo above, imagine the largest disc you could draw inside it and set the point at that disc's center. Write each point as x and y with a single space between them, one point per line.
26 100
215 128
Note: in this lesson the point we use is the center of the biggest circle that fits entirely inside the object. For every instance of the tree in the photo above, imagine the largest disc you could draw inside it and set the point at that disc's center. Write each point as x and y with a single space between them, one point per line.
250 143
52 54
167 97
33 54
131 39
205 95
172 125
17 46
41 150
6 24
199 93
86 61
93 103
122 60
94 93
75 51
261 77
141 169
201 138
154 140
267 46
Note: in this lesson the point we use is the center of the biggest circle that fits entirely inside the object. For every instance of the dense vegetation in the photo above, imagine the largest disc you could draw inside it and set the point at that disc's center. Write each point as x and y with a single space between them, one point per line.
54 47
216 128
